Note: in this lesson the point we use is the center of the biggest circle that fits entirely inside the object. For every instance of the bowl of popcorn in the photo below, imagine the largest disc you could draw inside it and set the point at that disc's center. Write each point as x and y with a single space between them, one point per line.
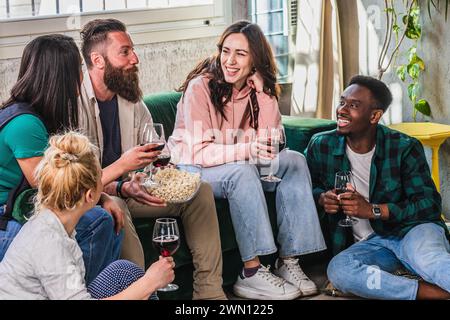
174 185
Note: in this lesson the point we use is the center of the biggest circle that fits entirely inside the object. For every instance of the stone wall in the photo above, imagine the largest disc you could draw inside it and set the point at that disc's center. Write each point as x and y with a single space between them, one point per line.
163 66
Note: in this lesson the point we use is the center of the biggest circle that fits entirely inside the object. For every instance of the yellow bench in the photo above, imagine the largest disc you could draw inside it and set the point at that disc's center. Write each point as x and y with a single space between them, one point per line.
431 135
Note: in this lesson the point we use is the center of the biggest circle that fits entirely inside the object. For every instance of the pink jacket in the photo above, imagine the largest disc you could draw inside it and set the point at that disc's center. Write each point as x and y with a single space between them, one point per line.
203 137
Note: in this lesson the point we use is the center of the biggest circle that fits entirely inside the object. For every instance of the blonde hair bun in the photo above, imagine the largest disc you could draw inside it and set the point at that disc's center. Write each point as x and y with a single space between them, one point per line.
68 169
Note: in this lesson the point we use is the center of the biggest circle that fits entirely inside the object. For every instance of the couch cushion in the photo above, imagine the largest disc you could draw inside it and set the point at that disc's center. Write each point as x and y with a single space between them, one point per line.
300 130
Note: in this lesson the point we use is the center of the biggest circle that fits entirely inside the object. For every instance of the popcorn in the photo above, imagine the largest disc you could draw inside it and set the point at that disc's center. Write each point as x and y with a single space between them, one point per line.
173 185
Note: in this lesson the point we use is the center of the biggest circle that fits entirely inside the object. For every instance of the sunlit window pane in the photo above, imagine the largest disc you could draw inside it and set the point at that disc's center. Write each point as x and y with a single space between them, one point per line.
269 15
24 8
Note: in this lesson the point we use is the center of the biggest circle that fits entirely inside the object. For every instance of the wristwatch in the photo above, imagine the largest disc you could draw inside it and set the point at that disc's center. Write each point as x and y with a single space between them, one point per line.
376 210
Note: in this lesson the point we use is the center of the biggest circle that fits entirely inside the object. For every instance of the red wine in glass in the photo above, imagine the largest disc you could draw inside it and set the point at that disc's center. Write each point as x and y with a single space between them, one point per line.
159 147
162 161
166 240
281 146
166 245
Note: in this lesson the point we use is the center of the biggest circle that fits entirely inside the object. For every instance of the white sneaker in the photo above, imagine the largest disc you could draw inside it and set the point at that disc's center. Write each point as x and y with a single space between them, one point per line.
264 285
291 272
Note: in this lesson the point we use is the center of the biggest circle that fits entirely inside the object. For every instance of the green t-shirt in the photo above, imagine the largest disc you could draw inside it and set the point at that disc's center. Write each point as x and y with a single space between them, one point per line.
23 137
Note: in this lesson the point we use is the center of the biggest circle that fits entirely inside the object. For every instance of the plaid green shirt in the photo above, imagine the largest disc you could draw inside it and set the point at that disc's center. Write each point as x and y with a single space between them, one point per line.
399 176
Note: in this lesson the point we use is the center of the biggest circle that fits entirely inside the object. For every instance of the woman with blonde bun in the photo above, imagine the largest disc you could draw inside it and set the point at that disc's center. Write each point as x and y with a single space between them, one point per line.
44 261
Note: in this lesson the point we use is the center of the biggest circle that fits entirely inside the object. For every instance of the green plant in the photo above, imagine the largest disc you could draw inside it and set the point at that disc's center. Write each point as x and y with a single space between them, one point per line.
409 28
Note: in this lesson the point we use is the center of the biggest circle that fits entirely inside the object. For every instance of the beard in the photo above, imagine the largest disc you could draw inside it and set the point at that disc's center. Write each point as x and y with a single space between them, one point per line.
125 83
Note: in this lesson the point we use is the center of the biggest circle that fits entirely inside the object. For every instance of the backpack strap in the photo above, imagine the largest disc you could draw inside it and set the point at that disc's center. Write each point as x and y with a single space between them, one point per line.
6 115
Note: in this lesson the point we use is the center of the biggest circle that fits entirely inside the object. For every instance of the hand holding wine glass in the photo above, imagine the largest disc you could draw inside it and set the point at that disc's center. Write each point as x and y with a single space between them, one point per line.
344 183
160 273
276 139
166 240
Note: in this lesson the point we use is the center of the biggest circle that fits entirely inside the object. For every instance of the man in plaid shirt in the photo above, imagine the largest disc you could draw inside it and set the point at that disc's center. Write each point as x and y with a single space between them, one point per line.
393 200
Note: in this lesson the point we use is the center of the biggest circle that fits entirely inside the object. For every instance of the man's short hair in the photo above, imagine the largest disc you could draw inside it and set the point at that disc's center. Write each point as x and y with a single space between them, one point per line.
95 33
380 92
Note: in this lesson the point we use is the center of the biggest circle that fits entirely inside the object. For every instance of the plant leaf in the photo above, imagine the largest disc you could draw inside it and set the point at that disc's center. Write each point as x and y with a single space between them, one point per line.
412 92
414 71
401 73
396 28
412 23
413 33
423 107
415 59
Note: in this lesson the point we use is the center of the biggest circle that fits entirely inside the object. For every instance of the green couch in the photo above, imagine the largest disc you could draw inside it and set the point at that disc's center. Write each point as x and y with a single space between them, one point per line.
162 106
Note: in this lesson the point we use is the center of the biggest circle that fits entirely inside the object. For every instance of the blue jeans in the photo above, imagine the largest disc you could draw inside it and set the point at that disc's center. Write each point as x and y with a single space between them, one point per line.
98 241
95 235
365 269
7 236
297 219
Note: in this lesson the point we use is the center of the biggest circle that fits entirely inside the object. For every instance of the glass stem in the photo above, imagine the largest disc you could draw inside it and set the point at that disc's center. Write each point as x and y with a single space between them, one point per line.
271 169
150 171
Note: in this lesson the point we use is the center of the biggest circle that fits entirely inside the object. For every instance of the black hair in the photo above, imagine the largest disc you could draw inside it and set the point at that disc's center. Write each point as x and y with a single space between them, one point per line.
96 32
49 80
380 92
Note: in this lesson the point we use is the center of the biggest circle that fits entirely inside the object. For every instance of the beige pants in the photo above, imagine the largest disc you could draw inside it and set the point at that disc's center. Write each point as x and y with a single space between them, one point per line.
201 230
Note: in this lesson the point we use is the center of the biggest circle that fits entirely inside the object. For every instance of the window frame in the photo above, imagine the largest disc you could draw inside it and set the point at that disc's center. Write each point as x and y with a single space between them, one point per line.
145 26
284 31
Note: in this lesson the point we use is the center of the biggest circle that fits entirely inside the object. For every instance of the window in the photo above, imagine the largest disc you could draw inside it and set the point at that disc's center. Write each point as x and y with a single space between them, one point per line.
10 9
148 21
277 19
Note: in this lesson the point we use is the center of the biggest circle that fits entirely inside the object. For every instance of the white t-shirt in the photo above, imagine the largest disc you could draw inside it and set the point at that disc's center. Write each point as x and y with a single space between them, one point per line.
43 262
360 164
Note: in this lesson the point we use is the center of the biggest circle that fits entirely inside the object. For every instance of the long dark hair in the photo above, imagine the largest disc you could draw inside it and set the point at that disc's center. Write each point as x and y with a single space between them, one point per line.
263 62
49 80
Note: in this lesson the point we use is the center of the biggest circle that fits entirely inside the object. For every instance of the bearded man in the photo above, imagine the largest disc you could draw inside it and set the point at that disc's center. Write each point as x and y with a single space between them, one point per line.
113 116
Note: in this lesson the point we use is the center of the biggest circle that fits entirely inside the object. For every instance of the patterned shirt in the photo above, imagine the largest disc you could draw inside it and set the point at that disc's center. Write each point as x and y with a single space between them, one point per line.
399 177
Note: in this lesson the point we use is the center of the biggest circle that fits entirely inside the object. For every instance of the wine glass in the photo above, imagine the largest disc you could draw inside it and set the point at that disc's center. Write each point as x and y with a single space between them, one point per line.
166 240
154 133
341 184
160 139
275 137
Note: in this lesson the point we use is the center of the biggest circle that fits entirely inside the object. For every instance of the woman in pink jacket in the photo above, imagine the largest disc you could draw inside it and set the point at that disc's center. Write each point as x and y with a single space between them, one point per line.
226 99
